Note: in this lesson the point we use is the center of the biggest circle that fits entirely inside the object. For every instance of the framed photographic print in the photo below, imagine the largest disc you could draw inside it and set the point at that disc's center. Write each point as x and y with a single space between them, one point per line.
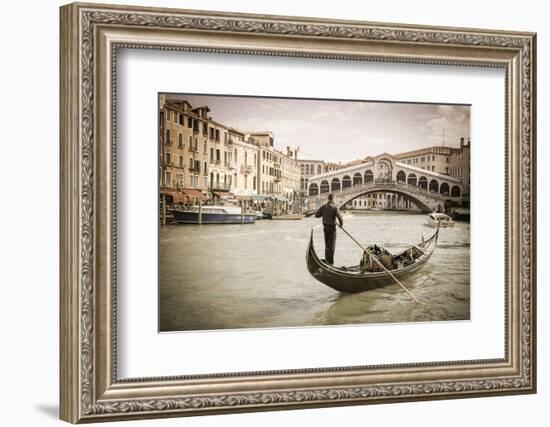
267 212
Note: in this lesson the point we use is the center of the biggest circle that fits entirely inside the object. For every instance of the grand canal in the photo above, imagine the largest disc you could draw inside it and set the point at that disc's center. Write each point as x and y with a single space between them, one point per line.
255 276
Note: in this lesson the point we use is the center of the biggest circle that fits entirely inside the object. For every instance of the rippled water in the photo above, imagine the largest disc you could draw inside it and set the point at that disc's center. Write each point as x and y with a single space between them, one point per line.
255 276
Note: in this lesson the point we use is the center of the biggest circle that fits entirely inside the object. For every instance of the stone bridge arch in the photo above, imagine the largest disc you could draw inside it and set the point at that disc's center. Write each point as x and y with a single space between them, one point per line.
343 199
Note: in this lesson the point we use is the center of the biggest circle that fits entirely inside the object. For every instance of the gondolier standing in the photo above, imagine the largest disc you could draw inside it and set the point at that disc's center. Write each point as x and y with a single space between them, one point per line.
329 212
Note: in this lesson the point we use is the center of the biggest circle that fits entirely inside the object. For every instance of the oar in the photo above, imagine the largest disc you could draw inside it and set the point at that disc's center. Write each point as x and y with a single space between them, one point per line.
381 265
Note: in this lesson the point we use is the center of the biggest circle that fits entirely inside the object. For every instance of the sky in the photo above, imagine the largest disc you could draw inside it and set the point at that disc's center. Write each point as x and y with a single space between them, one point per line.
341 131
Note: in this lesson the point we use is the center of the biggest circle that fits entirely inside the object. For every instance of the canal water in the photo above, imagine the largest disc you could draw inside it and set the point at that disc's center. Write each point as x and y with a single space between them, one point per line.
255 276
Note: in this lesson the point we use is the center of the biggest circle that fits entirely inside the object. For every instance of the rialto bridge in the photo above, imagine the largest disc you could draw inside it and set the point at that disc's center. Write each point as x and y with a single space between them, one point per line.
401 183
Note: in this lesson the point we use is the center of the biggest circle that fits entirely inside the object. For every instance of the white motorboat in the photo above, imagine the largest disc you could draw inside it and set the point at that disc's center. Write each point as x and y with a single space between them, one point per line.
442 219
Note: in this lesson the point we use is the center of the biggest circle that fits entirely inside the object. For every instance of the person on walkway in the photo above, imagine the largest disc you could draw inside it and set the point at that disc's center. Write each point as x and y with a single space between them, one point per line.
329 212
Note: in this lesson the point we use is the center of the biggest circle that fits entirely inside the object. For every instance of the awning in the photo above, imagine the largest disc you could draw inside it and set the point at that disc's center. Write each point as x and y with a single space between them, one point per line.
173 196
260 197
193 194
223 194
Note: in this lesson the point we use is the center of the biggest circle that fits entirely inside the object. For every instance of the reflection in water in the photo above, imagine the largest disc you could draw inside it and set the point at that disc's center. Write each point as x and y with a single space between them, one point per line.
255 276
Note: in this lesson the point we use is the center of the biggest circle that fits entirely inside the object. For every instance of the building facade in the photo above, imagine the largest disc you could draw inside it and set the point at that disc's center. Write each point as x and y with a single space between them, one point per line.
460 165
434 159
200 158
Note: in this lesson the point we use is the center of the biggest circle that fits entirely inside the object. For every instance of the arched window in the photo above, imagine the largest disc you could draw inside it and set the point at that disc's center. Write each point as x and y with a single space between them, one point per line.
167 139
335 185
313 189
319 170
357 179
401 177
180 140
455 191
434 186
369 176
423 182
346 181
411 179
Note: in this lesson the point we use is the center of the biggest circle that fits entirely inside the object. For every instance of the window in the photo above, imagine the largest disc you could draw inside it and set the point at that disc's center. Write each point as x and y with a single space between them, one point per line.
254 183
181 162
211 154
167 139
205 171
180 140
190 142
197 166
168 114
167 158
225 137
168 178
181 119
205 148
189 122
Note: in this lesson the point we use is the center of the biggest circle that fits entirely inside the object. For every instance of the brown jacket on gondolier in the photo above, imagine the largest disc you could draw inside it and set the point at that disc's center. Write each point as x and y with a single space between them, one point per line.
329 212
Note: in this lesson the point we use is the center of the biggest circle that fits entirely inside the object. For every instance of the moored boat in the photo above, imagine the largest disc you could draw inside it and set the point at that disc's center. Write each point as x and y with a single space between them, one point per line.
213 215
368 274
436 219
289 217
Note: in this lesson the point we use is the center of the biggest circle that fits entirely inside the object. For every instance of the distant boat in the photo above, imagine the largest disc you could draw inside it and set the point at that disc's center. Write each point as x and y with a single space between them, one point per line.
370 275
435 219
213 215
259 215
289 217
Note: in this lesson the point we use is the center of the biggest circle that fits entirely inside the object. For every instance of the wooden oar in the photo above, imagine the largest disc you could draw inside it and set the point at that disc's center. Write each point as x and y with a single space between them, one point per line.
381 265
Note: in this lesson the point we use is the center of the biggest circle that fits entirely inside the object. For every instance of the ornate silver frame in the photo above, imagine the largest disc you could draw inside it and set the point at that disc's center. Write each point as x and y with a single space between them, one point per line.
90 36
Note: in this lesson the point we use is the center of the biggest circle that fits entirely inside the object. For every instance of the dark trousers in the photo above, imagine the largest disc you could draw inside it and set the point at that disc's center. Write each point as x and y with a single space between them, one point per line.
330 242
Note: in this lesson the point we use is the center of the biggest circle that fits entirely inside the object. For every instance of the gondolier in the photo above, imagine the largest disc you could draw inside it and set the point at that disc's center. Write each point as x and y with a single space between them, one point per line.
329 212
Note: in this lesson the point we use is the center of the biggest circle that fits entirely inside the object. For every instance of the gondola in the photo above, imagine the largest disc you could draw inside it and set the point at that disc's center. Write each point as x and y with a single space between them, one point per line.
368 274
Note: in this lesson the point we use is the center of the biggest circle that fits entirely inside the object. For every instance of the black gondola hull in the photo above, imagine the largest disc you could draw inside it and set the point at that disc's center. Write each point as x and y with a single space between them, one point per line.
353 282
